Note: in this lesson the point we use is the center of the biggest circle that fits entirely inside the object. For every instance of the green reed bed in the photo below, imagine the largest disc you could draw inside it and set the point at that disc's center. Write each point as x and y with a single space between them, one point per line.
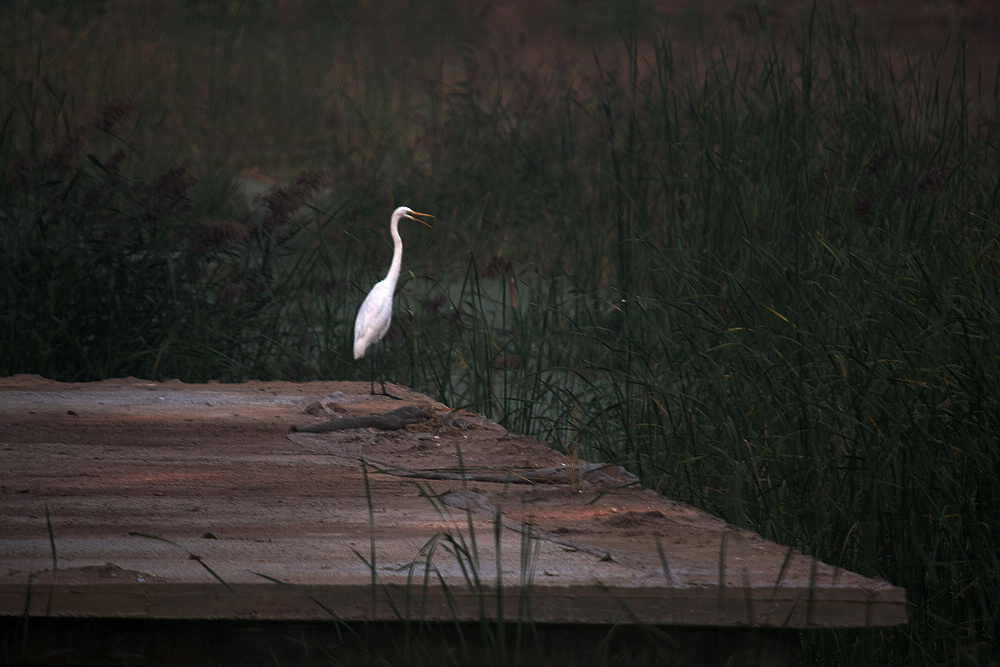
799 330
766 281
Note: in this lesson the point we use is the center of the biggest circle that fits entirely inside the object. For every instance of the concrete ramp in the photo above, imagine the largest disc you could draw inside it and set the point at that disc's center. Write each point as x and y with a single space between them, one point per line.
140 502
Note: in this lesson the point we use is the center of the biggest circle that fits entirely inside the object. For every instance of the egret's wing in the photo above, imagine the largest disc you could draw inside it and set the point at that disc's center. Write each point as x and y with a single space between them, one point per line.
373 319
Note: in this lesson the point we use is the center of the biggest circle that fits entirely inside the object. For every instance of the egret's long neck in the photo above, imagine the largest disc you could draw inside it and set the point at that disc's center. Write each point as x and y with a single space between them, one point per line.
397 253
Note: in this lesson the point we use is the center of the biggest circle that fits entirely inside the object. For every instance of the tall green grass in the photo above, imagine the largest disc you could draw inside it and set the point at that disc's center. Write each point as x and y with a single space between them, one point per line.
764 280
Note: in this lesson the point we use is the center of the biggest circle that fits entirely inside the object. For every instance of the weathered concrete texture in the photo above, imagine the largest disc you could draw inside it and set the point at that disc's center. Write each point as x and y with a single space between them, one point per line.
137 500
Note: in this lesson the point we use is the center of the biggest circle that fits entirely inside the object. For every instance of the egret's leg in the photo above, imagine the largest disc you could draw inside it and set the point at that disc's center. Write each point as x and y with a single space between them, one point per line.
381 377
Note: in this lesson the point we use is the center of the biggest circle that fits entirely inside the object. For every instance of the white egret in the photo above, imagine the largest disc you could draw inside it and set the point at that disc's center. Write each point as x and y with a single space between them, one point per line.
375 313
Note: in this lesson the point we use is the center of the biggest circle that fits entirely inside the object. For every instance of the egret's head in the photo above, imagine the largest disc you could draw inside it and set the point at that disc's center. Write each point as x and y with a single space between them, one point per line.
405 212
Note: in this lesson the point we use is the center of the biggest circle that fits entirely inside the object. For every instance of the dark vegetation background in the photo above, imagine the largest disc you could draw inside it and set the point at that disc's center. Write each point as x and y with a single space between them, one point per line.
747 250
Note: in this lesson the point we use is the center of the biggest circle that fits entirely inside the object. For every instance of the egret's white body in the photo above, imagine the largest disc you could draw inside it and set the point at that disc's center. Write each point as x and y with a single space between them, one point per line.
375 314
374 317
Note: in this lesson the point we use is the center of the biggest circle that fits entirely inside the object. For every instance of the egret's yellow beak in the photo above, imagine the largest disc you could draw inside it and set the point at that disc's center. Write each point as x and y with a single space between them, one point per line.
423 222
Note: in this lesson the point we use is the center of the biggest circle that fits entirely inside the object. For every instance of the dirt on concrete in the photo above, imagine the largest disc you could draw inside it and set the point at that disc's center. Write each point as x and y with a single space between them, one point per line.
143 499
